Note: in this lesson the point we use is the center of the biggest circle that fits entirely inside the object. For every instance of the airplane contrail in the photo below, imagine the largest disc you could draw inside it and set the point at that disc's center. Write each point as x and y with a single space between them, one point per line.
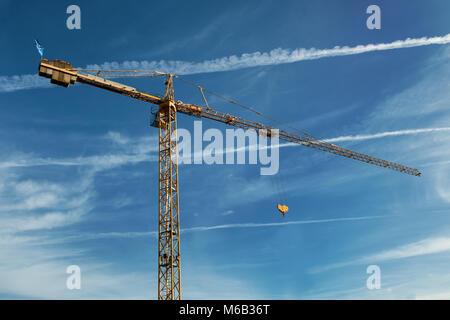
246 60
274 57
419 248
385 134
372 136
216 227
113 160
276 224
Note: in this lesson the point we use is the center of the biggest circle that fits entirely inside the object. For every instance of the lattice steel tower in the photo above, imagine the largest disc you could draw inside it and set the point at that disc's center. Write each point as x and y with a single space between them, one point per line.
61 73
169 223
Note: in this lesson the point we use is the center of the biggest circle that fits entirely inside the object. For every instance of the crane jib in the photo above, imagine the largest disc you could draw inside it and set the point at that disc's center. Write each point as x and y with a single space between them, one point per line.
61 73
169 285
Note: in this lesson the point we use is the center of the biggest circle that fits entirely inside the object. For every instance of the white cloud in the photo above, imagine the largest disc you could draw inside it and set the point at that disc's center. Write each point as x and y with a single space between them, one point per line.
246 60
444 295
275 224
20 82
361 137
442 180
117 137
227 212
28 187
419 248
33 270
274 57
31 204
90 236
386 134
144 149
49 220
209 284
34 281
405 267
427 246
420 102
129 152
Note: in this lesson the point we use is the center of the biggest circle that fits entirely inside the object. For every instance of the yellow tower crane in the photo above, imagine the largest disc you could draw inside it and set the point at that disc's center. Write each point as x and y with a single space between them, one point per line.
169 287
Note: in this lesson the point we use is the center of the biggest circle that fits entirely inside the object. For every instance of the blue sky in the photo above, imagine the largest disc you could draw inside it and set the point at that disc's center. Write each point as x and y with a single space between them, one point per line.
78 166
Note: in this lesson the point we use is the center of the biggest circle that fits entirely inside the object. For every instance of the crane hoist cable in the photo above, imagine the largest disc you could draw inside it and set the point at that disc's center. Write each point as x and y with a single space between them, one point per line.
111 73
152 74
245 107
169 267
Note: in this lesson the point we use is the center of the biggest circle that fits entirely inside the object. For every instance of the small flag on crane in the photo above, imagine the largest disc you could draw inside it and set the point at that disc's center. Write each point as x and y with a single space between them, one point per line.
39 47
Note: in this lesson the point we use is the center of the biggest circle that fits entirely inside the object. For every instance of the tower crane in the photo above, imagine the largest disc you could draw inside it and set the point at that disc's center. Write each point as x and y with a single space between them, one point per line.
169 287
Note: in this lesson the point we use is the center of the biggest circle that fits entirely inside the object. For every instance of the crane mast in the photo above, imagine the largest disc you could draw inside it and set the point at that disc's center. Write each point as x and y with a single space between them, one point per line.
169 267
169 270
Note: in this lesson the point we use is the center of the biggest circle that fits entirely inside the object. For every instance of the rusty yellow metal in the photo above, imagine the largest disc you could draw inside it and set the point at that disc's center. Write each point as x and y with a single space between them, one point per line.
282 208
169 267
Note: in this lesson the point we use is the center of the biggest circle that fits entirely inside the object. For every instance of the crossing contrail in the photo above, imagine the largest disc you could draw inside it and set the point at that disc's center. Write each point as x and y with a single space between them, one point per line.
373 136
385 134
138 234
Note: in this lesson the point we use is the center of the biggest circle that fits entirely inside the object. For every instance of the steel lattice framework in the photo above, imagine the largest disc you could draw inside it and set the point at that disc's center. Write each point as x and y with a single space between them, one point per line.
169 267
169 217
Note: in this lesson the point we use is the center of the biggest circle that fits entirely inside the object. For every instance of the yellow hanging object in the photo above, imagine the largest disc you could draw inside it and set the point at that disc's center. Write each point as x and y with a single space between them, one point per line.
282 208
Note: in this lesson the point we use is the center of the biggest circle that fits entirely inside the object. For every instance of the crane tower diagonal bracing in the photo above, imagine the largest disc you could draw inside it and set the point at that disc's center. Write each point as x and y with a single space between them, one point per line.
169 227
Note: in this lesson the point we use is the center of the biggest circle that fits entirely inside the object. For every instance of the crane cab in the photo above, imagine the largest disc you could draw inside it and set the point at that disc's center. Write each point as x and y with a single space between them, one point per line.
282 208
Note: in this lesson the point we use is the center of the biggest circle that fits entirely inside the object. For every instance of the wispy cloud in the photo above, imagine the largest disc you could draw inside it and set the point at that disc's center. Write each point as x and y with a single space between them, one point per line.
20 82
274 57
386 134
46 221
379 135
276 224
217 227
124 151
419 248
444 295
43 203
27 205
144 149
245 60
422 247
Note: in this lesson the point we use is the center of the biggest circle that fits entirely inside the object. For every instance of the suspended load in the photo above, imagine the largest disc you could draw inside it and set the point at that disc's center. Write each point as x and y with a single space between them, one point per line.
283 209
